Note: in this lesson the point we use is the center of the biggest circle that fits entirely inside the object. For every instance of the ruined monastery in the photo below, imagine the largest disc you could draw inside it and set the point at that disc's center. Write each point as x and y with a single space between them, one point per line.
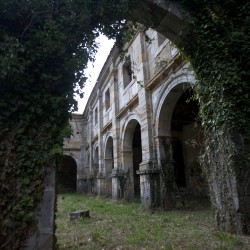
140 125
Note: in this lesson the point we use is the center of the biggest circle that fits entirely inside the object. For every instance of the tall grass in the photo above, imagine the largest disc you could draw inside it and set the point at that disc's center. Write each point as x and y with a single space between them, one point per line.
121 225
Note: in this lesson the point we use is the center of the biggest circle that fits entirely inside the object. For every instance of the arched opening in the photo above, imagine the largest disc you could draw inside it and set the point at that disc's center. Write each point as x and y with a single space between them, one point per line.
180 139
108 165
132 157
137 158
186 142
67 175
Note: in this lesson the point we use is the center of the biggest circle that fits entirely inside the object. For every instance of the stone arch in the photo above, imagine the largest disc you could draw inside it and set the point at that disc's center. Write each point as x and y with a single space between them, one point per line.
67 174
109 155
173 89
179 136
167 19
131 156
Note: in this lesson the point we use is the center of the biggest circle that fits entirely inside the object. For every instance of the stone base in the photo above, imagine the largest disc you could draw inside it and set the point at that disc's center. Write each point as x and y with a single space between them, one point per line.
79 214
150 184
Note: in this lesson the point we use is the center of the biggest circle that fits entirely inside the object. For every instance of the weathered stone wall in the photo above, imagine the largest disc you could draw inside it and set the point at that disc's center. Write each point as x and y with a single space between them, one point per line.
73 147
43 237
142 94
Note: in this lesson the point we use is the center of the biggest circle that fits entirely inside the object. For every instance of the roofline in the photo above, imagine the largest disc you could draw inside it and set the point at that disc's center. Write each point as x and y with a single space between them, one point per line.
103 74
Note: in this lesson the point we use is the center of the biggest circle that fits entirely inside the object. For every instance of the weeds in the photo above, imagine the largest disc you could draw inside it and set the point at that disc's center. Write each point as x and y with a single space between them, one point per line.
126 226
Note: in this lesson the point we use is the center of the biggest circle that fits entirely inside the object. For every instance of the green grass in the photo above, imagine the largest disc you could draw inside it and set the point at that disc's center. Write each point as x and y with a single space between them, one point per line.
122 226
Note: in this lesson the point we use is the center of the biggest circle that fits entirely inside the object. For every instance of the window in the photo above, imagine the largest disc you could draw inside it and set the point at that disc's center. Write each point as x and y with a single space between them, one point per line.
96 116
107 99
127 71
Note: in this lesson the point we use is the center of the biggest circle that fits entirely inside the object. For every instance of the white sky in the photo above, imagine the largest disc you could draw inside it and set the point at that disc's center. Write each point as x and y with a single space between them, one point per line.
93 70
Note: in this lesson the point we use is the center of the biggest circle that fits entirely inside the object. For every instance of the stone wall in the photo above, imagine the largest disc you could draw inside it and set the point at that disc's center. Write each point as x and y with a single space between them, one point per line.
43 237
135 96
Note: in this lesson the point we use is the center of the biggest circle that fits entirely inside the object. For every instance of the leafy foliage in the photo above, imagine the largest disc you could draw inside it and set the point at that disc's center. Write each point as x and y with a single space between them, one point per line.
219 48
44 47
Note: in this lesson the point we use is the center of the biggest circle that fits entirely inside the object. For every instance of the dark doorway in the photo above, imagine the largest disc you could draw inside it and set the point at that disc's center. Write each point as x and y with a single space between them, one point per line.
109 165
66 175
179 167
137 158
185 114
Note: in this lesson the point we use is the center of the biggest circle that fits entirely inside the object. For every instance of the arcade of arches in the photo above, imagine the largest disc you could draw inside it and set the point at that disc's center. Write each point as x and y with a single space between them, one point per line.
150 121
154 95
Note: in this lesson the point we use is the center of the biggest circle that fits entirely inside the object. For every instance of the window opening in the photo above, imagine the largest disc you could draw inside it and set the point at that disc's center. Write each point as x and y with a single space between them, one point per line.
127 71
107 99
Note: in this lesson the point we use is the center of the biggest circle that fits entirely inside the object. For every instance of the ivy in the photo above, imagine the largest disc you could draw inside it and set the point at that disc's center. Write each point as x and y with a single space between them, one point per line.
44 48
218 48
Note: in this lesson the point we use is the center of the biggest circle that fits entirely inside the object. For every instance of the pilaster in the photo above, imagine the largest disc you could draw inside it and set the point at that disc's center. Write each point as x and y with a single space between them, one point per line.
149 184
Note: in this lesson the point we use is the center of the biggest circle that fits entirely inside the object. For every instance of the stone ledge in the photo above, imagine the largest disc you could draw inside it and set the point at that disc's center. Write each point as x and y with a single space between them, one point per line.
148 171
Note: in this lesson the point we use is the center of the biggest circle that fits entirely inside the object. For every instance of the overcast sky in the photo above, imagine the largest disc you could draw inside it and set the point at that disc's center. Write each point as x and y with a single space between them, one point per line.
93 70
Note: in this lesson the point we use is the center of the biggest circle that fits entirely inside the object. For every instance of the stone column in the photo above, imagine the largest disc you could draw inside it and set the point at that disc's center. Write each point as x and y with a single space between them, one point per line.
116 191
165 162
127 170
148 170
100 176
100 184
145 101
108 162
149 184
90 138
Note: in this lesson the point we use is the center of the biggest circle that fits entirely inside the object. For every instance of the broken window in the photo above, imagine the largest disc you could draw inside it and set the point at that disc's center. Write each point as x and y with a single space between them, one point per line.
127 71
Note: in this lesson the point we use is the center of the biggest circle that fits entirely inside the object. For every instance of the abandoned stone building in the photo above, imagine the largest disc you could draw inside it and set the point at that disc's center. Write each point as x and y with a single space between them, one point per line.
139 118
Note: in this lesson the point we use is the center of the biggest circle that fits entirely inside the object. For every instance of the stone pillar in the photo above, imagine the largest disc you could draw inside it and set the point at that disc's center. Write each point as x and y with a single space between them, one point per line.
127 171
100 184
165 162
81 176
108 164
116 134
149 184
43 238
100 175
116 191
91 154
145 101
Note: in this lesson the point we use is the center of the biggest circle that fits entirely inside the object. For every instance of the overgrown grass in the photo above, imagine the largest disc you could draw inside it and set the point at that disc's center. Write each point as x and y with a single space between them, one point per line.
122 225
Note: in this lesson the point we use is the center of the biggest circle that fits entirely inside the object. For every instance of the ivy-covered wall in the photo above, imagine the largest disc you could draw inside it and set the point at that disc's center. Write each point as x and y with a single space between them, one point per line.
218 48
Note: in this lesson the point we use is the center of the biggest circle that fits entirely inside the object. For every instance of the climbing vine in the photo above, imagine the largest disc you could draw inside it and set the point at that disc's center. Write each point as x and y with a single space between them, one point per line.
218 48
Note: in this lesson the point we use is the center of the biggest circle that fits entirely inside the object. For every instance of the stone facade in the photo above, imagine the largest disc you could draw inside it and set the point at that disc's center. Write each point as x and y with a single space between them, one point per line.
138 120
